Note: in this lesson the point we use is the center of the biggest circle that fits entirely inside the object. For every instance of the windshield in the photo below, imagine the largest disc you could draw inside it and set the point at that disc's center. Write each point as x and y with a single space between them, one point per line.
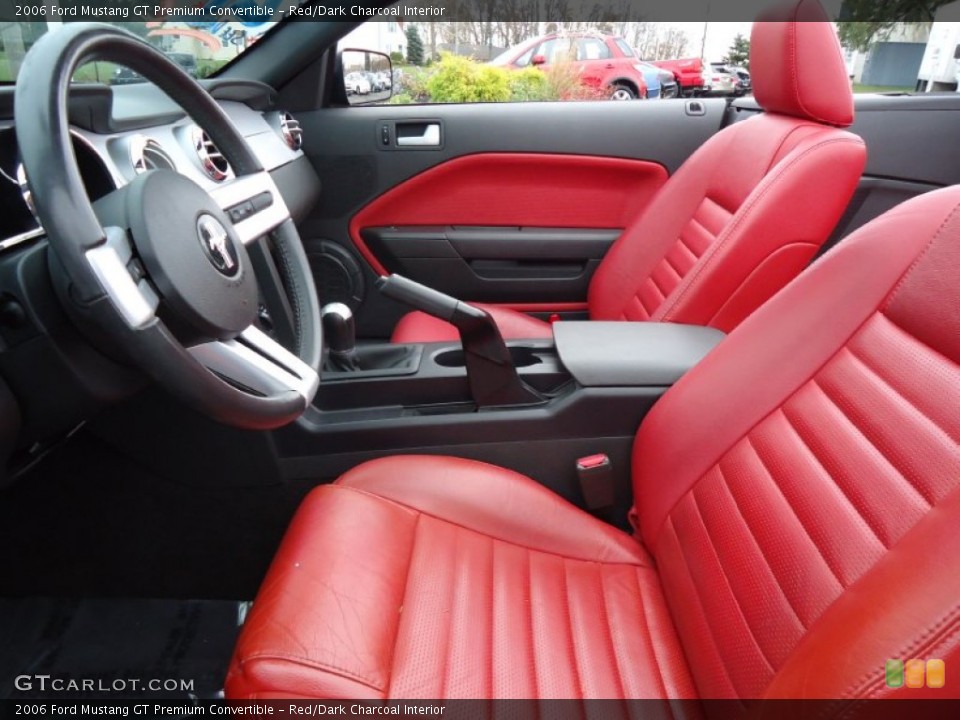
200 48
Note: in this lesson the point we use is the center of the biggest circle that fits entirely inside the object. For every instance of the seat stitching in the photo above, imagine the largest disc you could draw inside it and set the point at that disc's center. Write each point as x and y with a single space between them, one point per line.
644 615
314 665
800 521
492 620
757 268
779 408
608 633
756 542
403 599
671 527
945 629
769 181
575 665
726 579
656 286
669 263
863 434
530 636
874 372
910 336
686 244
639 562
696 221
913 266
816 458
453 604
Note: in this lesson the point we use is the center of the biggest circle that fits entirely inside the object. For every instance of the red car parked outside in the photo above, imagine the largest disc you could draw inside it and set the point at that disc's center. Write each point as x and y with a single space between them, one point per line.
688 72
603 61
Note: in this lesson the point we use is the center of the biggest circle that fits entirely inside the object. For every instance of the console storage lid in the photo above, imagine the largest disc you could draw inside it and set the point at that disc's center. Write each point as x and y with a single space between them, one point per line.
627 354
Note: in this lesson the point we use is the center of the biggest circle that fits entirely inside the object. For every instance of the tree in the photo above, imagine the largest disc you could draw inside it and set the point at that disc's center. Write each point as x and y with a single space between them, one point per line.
414 46
739 52
860 35
864 22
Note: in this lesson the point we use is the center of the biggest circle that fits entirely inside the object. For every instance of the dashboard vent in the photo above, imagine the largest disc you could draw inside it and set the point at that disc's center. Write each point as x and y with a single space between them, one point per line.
290 131
147 154
212 161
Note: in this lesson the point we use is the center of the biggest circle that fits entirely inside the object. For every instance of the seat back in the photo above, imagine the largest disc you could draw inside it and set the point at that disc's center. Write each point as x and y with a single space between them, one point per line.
800 488
749 209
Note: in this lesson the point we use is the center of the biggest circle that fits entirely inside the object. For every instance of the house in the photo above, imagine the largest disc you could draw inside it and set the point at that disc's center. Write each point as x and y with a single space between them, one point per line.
384 36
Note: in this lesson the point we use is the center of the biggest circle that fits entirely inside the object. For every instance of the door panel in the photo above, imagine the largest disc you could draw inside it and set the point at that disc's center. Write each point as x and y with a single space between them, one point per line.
494 263
546 167
506 227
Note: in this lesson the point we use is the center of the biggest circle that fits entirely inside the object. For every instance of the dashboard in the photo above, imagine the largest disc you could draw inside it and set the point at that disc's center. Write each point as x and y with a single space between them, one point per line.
51 377
113 148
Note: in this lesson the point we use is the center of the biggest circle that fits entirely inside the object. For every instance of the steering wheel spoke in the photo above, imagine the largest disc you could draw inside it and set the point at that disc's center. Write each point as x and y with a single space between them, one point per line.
255 362
254 205
123 278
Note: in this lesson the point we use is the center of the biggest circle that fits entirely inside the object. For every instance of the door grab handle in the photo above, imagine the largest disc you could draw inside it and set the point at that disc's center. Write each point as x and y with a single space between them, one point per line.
430 137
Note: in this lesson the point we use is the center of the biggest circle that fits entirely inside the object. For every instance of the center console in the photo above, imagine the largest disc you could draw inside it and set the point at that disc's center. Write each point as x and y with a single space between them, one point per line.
535 406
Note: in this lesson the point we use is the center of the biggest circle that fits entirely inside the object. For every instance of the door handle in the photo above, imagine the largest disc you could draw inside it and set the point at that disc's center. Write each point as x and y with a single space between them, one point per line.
430 137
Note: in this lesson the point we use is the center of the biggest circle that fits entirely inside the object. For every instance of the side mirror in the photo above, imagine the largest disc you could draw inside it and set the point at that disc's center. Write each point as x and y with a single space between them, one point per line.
538 60
367 76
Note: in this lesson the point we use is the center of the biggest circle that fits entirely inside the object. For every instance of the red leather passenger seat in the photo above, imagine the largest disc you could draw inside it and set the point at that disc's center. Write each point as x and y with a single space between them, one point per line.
744 214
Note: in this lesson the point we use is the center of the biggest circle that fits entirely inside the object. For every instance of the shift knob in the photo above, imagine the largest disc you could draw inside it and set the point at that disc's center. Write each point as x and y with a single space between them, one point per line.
339 334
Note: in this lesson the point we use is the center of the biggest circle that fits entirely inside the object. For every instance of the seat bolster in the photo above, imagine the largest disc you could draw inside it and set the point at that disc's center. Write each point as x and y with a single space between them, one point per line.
496 502
307 637
907 606
418 327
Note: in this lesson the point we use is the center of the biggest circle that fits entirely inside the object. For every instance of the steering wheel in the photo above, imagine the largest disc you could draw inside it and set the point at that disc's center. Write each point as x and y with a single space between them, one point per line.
157 267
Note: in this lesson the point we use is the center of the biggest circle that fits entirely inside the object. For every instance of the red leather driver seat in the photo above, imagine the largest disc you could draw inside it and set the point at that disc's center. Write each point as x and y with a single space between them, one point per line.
744 214
798 495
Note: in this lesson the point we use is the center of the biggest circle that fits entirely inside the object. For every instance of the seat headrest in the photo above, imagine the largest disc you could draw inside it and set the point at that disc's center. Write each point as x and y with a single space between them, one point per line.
796 64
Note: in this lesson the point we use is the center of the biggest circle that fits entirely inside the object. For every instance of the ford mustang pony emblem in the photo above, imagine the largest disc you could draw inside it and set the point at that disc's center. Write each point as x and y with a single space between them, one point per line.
217 245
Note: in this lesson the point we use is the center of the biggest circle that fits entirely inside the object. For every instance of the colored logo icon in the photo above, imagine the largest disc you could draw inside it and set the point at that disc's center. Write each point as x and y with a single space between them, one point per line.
915 673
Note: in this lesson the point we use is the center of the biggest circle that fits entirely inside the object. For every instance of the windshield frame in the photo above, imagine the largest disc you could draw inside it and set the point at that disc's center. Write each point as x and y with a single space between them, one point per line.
229 63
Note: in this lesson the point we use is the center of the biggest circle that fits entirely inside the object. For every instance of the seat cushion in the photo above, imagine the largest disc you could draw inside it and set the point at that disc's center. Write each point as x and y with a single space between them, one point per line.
418 327
435 577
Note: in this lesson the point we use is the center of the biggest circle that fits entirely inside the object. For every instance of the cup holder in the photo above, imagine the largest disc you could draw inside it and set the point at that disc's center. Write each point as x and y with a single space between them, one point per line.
522 357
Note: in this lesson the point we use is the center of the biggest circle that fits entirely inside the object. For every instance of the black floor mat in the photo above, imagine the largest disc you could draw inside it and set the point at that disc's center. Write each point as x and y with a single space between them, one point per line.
115 648
91 522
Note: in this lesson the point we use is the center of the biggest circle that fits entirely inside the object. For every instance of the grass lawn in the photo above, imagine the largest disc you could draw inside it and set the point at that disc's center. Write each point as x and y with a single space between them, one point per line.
858 88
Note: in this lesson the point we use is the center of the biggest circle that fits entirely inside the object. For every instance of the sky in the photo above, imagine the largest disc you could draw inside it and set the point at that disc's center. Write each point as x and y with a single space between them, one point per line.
720 36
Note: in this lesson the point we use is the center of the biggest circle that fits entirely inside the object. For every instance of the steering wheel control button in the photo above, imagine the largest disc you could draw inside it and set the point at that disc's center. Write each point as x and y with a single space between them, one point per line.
241 212
261 201
220 249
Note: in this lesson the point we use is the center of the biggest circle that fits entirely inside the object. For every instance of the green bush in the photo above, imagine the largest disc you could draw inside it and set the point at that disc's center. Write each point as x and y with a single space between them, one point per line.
461 80
456 79
529 85
413 82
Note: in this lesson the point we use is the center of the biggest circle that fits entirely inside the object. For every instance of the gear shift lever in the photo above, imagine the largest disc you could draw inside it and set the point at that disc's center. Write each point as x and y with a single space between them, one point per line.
339 335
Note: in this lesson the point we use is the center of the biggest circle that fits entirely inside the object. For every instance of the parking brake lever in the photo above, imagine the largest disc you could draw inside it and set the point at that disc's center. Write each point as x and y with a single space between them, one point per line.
491 374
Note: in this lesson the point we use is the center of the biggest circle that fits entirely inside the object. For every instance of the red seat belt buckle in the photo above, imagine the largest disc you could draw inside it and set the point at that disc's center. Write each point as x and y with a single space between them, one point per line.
595 473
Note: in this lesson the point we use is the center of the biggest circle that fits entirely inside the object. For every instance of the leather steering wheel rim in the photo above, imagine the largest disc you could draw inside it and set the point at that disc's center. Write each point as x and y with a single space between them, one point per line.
118 278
